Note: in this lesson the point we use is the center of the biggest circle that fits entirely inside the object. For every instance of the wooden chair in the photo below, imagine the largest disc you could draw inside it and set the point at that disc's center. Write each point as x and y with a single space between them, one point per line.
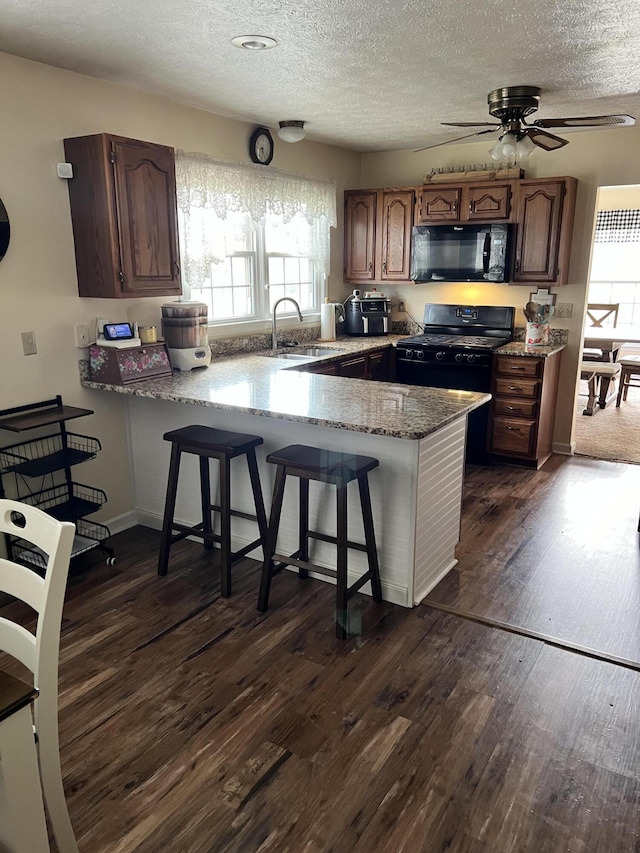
599 313
630 376
601 378
39 651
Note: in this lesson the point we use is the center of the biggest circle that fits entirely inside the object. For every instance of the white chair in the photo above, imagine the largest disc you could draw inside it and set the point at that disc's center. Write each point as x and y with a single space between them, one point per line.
39 651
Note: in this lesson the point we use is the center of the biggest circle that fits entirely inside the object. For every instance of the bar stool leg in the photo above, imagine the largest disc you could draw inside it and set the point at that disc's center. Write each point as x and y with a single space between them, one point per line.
169 508
258 500
272 538
303 526
205 496
225 526
370 538
342 615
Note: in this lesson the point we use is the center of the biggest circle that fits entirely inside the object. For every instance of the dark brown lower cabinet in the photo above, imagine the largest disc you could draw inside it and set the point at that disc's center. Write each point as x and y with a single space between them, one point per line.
523 408
376 365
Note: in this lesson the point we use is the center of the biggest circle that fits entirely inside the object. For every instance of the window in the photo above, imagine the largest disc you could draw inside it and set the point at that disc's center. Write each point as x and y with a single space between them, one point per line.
249 237
615 265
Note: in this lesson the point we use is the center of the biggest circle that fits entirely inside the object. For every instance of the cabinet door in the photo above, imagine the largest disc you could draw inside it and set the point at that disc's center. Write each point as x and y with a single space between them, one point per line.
147 221
396 218
354 368
487 203
360 236
440 204
380 365
539 214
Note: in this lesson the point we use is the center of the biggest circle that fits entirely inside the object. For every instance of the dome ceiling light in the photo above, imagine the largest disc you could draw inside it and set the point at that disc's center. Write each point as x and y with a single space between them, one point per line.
254 42
292 131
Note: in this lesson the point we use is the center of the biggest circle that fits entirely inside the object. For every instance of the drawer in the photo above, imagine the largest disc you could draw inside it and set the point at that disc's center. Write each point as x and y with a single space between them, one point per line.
513 436
506 366
516 387
515 408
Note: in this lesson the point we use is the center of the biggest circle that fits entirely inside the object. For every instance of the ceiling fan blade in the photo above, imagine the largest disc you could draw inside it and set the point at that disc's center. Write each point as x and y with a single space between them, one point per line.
544 139
470 123
585 121
459 139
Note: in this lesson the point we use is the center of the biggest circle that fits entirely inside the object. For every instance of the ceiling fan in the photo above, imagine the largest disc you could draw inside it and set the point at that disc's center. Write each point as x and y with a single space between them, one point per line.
511 106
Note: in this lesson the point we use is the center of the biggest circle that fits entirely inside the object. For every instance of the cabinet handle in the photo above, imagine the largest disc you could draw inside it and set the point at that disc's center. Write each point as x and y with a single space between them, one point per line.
370 265
470 207
514 408
512 429
384 266
121 277
515 387
455 206
517 367
176 267
517 265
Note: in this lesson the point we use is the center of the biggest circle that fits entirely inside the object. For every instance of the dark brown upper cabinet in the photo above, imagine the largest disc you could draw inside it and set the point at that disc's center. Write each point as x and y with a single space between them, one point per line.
544 224
465 203
378 235
124 217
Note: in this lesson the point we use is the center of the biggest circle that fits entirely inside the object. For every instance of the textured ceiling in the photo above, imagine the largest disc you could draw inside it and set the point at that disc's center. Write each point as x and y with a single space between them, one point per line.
371 75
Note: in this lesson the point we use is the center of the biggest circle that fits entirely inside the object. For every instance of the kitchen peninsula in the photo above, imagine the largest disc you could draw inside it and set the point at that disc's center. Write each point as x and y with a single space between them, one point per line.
417 433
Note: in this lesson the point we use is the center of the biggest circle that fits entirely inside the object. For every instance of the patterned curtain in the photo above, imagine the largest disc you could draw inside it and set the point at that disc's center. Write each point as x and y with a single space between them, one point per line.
208 189
617 226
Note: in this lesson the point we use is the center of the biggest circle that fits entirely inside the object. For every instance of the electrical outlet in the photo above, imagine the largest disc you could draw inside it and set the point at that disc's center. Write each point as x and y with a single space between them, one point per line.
82 335
29 343
564 310
401 307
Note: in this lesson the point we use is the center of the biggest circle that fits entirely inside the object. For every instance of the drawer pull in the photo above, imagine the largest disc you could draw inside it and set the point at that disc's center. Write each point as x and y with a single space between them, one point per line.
511 428
515 387
517 367
514 408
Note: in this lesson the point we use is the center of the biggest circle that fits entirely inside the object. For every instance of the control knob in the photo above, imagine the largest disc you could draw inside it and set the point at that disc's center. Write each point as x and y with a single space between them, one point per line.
419 353
459 356
471 358
408 353
440 355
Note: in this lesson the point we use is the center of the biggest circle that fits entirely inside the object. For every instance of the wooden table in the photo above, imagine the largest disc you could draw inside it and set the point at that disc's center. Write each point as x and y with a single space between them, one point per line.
23 827
609 340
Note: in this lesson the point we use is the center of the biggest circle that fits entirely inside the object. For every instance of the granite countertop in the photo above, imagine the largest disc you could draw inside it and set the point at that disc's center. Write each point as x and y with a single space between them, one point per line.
258 384
518 348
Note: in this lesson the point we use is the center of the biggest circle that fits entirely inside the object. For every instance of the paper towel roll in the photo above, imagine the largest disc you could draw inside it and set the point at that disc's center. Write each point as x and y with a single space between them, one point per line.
328 321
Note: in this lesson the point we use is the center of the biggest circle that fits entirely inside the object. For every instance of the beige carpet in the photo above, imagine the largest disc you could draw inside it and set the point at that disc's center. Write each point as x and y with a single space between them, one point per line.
612 434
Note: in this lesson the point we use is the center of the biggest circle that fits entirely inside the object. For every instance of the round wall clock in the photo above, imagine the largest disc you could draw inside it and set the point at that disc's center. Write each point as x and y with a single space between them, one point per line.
261 146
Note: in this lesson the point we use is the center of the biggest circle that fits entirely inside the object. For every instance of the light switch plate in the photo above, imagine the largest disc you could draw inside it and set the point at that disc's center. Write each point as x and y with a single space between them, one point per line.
29 343
564 310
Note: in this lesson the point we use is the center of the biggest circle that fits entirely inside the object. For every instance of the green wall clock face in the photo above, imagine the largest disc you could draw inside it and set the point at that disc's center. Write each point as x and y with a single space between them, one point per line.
261 146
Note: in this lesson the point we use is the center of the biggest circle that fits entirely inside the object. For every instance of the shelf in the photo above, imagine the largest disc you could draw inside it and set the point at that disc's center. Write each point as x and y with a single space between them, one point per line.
44 417
89 535
45 455
67 503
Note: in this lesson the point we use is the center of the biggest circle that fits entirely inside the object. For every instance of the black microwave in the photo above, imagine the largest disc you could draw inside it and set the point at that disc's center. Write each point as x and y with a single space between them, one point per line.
461 252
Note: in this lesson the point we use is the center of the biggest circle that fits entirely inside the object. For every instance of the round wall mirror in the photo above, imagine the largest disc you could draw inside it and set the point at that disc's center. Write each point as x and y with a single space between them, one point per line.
5 231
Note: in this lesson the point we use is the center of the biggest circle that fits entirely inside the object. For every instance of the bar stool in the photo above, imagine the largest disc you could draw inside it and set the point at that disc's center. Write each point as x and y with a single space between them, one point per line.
338 469
209 443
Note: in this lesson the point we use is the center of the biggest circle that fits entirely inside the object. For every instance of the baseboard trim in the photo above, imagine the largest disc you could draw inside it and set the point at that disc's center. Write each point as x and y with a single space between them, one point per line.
564 448
123 522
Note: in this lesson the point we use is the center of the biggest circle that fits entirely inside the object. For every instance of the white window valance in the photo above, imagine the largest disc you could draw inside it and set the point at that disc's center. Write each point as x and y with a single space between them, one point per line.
205 183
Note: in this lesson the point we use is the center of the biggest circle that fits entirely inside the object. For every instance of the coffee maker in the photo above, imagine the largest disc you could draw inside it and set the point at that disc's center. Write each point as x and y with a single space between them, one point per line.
368 313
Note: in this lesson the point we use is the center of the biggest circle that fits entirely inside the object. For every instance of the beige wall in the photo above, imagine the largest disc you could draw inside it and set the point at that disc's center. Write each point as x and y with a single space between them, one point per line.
618 198
38 287
596 158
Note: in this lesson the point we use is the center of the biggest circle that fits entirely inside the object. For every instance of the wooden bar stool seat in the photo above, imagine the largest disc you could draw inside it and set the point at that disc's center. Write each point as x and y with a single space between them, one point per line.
338 469
209 443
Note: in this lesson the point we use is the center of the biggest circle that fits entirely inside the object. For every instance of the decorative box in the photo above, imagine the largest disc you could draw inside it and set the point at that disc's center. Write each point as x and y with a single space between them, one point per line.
133 364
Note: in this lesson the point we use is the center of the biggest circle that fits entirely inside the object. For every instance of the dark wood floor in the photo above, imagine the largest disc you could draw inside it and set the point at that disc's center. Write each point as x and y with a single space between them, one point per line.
192 724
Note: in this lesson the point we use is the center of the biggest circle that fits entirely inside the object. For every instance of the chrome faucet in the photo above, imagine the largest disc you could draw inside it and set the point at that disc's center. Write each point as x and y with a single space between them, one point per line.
274 336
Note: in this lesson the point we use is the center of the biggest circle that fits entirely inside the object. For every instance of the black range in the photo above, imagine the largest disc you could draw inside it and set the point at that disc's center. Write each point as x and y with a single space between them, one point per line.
456 351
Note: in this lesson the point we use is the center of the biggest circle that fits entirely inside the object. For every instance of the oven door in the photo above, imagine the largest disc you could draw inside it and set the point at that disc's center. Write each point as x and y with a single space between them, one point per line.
463 377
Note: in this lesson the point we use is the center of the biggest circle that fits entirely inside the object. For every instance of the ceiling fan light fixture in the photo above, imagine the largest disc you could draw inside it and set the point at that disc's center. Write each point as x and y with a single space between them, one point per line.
505 148
292 131
524 147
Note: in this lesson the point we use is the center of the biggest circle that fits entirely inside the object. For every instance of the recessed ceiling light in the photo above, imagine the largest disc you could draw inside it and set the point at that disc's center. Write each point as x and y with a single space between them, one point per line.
254 42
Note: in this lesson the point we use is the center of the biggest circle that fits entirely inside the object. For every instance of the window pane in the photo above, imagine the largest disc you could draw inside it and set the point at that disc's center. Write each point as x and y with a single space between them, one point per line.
275 293
239 271
276 270
222 303
291 270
